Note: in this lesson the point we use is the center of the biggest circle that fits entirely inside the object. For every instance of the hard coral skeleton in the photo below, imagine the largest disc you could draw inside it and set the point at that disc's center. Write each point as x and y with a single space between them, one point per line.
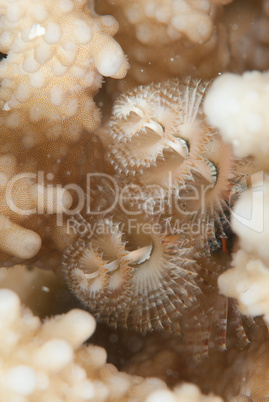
170 39
55 365
57 53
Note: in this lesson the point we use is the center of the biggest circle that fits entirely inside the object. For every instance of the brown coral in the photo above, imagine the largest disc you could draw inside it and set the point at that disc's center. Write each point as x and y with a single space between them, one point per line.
170 39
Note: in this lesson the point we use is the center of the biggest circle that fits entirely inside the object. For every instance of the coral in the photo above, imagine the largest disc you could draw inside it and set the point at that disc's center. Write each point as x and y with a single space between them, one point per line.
248 282
191 20
56 366
237 106
170 39
231 104
54 66
186 392
250 218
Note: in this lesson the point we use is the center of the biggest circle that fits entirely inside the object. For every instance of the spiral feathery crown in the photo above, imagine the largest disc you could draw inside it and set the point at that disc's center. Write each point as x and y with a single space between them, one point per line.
143 279
159 137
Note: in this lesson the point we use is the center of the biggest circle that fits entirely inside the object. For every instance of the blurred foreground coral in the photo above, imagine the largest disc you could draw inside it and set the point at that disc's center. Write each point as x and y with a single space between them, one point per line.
54 365
170 39
237 106
47 361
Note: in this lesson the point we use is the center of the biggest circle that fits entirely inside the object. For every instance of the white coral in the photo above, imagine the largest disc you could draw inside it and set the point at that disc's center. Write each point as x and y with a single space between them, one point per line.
238 106
31 369
250 218
248 282
47 362
182 393
57 54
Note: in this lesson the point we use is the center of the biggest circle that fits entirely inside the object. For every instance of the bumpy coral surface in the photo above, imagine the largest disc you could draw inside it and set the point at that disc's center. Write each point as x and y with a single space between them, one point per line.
48 362
190 19
57 54
232 105
237 106
250 219
186 392
170 39
248 282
